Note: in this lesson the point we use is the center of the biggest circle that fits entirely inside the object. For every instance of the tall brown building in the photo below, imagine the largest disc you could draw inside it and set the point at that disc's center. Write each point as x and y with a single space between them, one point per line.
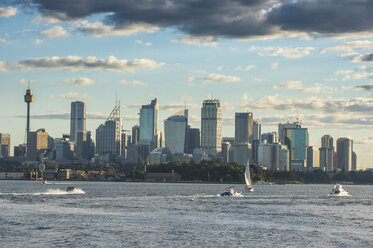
5 145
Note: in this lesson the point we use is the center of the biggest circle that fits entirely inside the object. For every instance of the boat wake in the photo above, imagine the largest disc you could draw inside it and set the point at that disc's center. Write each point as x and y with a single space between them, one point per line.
61 192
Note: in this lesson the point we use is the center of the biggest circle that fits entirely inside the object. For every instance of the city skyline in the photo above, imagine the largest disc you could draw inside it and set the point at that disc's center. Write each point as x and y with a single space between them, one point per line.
319 75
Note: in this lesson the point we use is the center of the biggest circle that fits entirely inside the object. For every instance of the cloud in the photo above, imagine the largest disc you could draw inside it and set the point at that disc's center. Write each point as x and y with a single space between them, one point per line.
143 43
207 41
74 96
76 63
5 41
287 52
246 68
7 12
54 32
274 66
22 81
133 83
83 81
350 46
297 85
38 41
98 29
364 140
368 87
216 78
363 58
228 19
66 116
3 67
289 85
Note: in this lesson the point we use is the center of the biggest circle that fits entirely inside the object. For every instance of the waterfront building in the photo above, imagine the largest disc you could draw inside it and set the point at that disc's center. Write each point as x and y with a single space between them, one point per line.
284 159
149 123
77 120
282 130
4 145
157 156
108 135
354 161
211 126
243 127
175 129
344 154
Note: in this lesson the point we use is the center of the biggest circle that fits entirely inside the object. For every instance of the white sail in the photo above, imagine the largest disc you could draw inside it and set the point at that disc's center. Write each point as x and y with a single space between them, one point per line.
247 174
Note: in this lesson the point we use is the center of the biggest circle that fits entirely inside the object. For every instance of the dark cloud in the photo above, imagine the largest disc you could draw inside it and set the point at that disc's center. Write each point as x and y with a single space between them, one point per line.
367 58
365 87
221 18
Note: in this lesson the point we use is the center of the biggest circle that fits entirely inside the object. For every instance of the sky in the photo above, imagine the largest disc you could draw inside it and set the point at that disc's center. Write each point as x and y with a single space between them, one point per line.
280 60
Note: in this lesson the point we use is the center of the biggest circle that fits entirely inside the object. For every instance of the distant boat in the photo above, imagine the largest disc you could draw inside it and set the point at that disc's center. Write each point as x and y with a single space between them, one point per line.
70 189
45 182
231 192
338 191
249 187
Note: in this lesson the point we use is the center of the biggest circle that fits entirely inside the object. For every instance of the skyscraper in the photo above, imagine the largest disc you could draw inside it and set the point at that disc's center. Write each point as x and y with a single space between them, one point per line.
77 120
243 127
108 135
175 129
296 139
4 145
344 154
149 123
193 139
257 130
38 143
327 153
211 126
135 134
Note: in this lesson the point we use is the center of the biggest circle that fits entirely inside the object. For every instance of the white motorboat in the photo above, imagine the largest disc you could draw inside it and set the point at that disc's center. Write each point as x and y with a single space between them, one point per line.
249 187
230 191
338 191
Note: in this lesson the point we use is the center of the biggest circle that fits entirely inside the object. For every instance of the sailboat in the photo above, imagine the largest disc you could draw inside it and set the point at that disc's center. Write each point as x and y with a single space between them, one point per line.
249 187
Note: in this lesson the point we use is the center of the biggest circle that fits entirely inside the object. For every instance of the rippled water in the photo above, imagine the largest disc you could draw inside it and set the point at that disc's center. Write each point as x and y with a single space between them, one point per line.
105 214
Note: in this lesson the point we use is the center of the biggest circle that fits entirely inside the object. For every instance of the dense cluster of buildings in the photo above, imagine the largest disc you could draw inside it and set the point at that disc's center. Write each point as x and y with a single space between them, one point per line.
284 150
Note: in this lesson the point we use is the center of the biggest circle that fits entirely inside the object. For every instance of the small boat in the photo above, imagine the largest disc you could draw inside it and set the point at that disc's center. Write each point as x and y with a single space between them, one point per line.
249 187
45 182
69 189
231 192
338 191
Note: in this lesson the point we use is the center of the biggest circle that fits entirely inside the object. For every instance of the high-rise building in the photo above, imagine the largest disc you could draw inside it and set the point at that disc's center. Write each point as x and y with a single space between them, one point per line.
64 149
225 147
313 157
108 135
4 145
135 134
327 141
149 123
327 153
354 161
271 138
243 127
77 120
242 153
39 142
126 140
282 130
193 139
175 129
20 150
265 155
257 130
211 126
344 154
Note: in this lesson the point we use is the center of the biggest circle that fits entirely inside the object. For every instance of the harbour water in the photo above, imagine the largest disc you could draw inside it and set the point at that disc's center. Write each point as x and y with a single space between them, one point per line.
116 214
